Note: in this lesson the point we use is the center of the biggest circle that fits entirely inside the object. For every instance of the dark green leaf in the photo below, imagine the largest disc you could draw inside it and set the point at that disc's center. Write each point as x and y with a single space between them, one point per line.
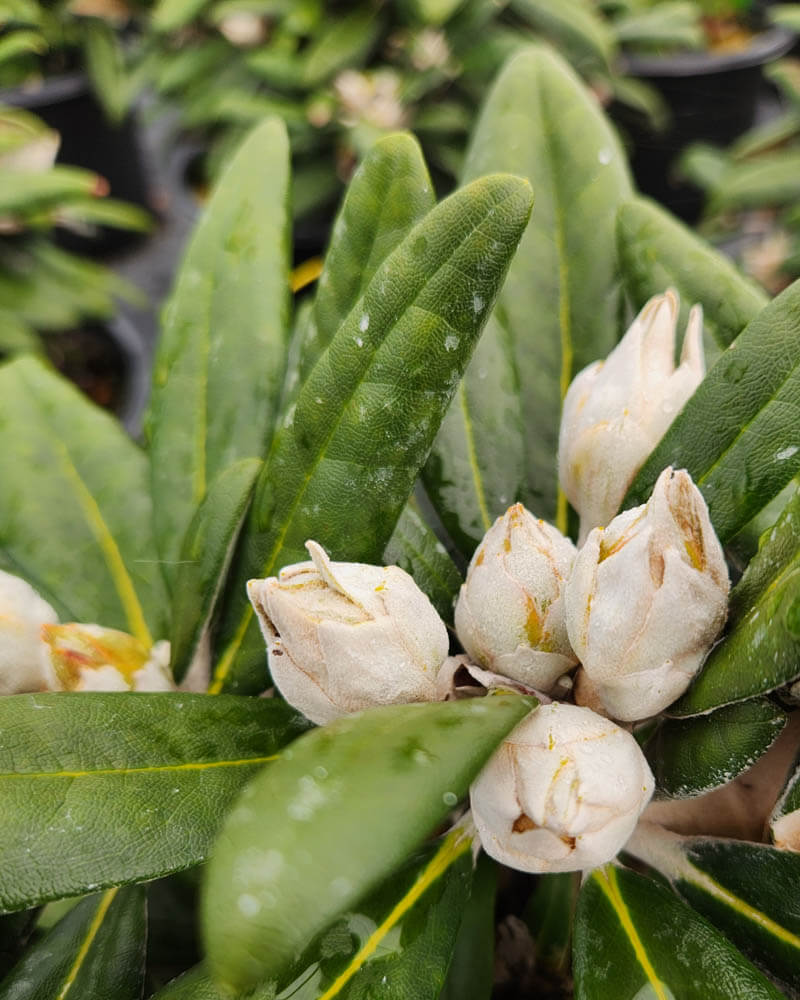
656 251
549 914
325 824
557 311
75 512
471 972
415 548
738 434
389 193
345 459
221 359
761 650
746 890
205 555
103 789
692 756
97 950
634 939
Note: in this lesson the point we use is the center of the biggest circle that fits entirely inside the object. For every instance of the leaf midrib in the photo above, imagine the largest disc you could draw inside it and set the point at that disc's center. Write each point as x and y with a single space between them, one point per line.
142 769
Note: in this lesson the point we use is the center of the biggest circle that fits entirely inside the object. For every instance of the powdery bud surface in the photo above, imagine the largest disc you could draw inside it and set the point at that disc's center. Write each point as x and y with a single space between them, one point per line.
94 658
23 656
646 599
342 637
617 410
510 611
563 792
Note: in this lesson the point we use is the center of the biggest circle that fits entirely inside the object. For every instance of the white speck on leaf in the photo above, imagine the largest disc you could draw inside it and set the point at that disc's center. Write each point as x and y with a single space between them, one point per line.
784 453
604 156
450 343
363 323
248 905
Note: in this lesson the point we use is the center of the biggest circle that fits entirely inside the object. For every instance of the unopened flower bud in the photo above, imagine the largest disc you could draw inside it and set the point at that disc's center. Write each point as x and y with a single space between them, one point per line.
509 615
93 658
617 410
646 598
563 792
23 660
342 637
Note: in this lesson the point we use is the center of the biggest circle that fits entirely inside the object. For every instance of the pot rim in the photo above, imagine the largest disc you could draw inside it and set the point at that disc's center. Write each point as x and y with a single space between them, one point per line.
765 46
46 90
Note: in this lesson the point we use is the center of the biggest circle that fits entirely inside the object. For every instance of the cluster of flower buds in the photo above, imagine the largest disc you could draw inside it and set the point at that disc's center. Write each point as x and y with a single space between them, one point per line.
38 654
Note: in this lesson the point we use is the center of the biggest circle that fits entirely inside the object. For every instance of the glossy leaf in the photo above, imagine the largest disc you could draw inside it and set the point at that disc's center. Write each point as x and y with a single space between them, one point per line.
557 310
692 756
103 789
634 939
390 192
74 508
746 890
345 459
471 972
415 548
204 558
738 434
657 251
325 824
761 650
97 950
788 805
221 358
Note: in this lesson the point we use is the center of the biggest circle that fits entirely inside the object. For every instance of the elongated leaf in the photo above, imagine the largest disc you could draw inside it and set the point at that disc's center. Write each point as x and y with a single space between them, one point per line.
221 358
550 914
390 192
635 939
345 41
97 950
692 756
103 789
169 15
761 651
74 507
343 464
415 548
557 310
205 555
656 251
746 890
738 435
105 64
322 827
26 190
471 972
574 27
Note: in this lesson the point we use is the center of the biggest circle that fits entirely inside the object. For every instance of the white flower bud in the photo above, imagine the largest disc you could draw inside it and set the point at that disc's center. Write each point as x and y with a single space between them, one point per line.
343 637
243 29
646 598
93 658
23 660
563 792
510 611
617 410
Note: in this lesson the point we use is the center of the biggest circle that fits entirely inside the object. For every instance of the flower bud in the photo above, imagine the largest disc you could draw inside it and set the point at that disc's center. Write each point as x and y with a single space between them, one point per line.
23 660
562 793
93 658
646 598
509 615
342 637
617 410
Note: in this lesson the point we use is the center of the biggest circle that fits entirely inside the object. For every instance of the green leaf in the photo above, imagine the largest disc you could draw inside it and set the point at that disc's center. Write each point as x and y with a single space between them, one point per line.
96 950
195 984
746 890
550 914
634 939
220 362
345 459
205 557
170 15
105 64
668 25
415 548
390 192
103 789
738 434
575 27
771 179
74 509
692 756
471 972
761 650
787 808
344 42
557 311
26 191
325 824
656 251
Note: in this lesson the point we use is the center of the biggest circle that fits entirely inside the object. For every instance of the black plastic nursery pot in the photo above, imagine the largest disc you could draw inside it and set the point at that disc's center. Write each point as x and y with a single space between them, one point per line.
66 103
711 96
